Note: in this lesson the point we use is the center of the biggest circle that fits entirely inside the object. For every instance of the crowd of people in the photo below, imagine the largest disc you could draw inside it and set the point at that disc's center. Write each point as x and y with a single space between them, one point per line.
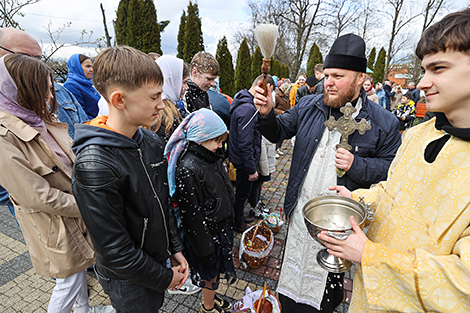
123 171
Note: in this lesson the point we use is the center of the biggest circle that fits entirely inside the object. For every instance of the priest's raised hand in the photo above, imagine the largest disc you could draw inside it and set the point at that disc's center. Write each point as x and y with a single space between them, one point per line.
263 104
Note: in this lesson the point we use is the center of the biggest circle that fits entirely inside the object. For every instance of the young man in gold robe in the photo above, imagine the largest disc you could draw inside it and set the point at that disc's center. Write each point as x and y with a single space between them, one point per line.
416 254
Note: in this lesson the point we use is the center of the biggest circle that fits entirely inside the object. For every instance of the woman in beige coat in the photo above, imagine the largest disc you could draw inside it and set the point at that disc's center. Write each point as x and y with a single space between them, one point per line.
36 163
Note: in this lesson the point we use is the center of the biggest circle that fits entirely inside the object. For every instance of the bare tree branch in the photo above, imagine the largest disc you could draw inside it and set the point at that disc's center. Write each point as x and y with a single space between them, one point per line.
9 9
401 18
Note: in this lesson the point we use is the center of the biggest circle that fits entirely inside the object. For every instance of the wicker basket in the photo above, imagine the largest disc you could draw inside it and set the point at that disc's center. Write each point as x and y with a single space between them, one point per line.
257 251
275 228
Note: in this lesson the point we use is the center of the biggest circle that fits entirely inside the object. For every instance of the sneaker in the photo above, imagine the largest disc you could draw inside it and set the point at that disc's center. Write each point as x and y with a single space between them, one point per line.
215 309
187 289
279 151
248 218
277 156
222 303
101 309
259 210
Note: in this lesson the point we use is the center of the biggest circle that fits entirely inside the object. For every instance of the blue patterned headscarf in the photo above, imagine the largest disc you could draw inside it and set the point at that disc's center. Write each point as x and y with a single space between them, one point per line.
199 126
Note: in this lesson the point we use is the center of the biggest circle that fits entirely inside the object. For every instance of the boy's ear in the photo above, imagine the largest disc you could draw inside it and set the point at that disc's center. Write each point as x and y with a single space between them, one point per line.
116 99
194 72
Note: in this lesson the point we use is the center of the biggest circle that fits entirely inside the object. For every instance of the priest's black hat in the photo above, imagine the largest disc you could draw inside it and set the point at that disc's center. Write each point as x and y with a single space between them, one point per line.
347 52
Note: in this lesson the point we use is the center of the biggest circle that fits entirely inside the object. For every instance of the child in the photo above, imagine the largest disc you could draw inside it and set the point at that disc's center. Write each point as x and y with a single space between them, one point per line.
405 111
36 163
199 184
204 71
121 187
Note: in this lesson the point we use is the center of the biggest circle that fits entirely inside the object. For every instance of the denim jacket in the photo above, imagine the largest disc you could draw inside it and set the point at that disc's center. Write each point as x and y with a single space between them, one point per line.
68 109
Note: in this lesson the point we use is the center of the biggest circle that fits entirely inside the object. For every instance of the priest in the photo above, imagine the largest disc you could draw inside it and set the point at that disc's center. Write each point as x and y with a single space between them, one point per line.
303 285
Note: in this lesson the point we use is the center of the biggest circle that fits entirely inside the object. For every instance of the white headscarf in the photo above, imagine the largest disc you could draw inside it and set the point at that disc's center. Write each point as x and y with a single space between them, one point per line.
172 69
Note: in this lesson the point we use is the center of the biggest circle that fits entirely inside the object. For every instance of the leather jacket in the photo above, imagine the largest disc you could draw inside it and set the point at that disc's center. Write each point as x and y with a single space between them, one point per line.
122 191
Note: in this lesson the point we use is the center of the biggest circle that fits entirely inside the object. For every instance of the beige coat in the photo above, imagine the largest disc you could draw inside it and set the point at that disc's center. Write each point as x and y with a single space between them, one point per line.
40 187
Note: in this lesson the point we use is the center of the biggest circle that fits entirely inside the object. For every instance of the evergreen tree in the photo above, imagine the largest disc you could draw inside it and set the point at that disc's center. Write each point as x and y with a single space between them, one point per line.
121 22
192 33
243 68
134 29
136 25
276 68
256 62
180 47
314 57
379 67
285 72
371 59
226 75
151 41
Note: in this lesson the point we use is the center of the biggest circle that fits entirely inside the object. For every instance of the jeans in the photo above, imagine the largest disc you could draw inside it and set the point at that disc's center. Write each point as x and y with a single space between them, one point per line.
255 193
242 193
127 297
5 200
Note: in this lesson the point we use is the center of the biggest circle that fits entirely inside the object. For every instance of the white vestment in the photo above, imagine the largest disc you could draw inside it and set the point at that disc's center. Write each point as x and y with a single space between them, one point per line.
301 278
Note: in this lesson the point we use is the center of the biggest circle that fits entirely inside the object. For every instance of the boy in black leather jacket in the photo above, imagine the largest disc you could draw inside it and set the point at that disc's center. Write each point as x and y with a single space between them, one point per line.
121 186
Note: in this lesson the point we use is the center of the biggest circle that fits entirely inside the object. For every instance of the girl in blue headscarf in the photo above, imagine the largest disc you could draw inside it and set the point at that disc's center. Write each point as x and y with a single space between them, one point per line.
79 83
201 187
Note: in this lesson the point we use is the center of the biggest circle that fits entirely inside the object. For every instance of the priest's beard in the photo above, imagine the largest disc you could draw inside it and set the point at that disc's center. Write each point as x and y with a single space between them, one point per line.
342 98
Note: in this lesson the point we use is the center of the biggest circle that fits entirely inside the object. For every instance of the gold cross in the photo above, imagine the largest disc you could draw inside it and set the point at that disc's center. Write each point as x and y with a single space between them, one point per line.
346 125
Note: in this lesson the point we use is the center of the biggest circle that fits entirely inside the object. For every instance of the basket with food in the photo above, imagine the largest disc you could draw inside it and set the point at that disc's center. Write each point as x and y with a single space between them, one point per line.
257 242
259 301
273 221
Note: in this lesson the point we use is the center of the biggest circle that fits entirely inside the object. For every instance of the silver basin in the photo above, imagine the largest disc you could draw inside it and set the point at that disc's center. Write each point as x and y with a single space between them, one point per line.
332 213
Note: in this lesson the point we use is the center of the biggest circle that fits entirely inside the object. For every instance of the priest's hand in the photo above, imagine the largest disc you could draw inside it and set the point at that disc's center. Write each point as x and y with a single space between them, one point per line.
343 159
262 103
351 248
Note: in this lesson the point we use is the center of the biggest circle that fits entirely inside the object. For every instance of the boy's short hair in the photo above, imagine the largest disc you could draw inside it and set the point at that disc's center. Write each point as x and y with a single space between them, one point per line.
407 96
154 55
318 68
450 33
124 67
204 62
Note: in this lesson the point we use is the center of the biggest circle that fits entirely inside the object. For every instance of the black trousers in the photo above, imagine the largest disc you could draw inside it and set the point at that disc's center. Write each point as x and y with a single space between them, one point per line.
332 297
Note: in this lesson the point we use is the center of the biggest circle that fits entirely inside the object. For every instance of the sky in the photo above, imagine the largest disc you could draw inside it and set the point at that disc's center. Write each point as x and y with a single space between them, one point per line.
218 18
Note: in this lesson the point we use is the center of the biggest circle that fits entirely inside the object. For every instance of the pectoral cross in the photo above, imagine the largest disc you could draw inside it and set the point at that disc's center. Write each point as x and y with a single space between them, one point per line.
346 125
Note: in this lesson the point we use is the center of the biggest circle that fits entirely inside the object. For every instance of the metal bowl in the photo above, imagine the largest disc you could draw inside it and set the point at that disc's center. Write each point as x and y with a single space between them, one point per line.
332 213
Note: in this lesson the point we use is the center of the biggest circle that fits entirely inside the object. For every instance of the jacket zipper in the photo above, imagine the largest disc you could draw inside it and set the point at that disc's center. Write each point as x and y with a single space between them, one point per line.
157 164
146 221
156 197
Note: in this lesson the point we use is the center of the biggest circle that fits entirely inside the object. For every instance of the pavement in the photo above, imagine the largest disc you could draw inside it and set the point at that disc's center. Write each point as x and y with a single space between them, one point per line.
21 290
